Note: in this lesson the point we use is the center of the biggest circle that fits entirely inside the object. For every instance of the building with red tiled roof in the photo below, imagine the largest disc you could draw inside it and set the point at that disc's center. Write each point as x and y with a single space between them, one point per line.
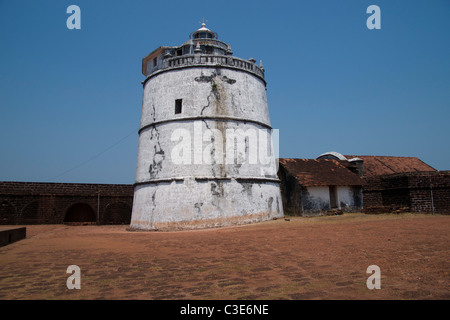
399 183
382 165
313 186
314 173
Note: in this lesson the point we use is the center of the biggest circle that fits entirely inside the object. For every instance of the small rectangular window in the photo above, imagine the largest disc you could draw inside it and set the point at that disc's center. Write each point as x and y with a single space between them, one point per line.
155 62
178 105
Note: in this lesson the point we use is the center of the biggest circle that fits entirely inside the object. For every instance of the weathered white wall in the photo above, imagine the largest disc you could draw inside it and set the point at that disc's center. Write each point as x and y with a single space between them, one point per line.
237 94
347 196
164 153
344 197
315 199
191 204
167 196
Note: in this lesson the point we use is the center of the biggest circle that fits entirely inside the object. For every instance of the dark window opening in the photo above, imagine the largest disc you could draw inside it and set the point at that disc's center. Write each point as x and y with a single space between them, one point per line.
203 35
333 197
179 52
155 62
178 105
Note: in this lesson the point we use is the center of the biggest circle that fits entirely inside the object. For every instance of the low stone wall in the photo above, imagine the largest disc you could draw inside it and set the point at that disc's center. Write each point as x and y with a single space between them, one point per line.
427 192
56 203
9 235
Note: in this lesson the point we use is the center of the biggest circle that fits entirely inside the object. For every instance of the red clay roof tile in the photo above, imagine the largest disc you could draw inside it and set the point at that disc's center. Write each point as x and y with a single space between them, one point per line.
321 172
378 165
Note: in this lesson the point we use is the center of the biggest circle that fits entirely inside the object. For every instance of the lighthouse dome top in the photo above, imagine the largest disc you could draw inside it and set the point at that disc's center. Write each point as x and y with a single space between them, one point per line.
202 49
203 33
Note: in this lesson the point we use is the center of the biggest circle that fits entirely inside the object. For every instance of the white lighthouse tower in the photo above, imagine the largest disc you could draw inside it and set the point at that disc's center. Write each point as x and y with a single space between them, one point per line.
205 157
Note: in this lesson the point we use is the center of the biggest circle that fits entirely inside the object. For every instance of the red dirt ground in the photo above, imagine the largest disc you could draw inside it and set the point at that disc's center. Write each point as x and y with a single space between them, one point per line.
304 258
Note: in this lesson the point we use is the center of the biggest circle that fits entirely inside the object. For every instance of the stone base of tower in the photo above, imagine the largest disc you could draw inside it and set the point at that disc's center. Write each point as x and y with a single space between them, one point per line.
192 204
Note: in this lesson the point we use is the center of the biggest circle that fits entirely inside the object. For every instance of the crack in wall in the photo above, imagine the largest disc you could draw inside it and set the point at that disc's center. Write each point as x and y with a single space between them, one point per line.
158 156
154 112
216 90
208 98
153 208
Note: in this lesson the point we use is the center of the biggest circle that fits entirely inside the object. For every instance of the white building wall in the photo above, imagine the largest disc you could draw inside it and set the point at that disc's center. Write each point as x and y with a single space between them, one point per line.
190 204
183 149
315 199
202 191
345 197
205 92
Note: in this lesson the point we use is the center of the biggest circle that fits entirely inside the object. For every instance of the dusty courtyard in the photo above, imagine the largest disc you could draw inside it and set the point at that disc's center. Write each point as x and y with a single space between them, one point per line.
303 258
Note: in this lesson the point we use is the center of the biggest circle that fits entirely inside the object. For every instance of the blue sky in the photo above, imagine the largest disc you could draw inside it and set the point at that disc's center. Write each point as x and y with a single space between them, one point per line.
70 100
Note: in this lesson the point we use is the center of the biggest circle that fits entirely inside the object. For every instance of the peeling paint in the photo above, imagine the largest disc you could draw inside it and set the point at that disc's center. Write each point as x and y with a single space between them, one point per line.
198 207
270 204
205 79
228 80
158 155
247 188
216 189
278 206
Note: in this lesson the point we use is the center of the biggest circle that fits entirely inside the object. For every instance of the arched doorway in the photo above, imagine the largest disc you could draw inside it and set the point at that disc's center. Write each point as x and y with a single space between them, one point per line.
7 213
80 213
117 213
30 213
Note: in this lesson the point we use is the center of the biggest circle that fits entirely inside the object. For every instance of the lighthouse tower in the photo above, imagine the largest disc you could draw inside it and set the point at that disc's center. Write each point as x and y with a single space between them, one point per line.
205 154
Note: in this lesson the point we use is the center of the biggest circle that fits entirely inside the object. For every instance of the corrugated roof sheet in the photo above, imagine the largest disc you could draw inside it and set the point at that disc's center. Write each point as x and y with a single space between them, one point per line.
321 172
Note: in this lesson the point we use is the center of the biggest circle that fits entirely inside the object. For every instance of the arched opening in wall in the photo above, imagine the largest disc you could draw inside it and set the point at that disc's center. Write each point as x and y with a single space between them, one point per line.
30 213
117 213
80 213
7 213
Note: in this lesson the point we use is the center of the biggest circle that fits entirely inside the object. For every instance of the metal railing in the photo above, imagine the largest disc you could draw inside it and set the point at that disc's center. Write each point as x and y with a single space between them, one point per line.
215 60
